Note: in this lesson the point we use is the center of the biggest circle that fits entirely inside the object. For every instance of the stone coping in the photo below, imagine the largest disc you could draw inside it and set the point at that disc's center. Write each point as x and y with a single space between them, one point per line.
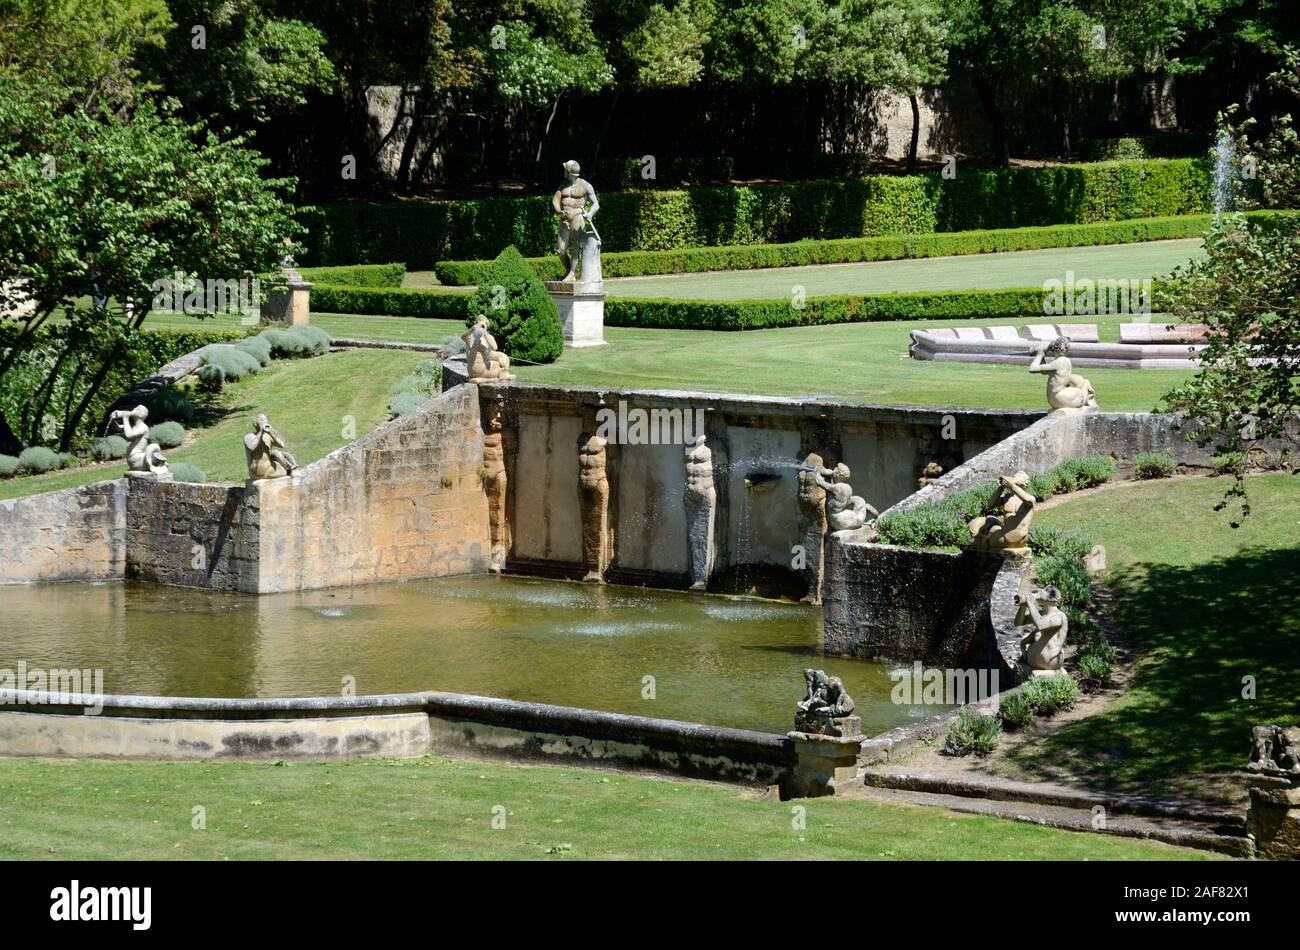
935 345
813 405
536 717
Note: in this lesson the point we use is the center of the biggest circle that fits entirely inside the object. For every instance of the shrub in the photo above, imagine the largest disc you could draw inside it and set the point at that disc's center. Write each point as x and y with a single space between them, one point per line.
234 364
170 405
1042 487
361 275
1051 694
1098 646
8 465
1045 541
695 260
1228 463
1068 575
392 302
167 434
257 347
527 326
38 459
108 447
185 472
211 378
421 233
300 341
1086 472
404 402
972 732
1093 672
1015 710
936 524
1154 465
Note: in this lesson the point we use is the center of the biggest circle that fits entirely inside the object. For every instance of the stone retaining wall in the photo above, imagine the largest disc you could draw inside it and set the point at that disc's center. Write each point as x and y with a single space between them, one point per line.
77 534
399 726
887 602
405 501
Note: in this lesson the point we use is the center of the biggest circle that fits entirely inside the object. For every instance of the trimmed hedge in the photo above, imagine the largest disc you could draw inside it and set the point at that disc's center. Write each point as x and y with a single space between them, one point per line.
420 234
695 260
167 434
390 301
523 318
359 275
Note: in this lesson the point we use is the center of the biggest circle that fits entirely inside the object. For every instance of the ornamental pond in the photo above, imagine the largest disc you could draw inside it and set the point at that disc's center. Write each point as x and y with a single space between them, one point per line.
727 661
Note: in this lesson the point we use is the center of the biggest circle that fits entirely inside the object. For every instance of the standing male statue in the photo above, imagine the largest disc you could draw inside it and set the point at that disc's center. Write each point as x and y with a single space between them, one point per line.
576 203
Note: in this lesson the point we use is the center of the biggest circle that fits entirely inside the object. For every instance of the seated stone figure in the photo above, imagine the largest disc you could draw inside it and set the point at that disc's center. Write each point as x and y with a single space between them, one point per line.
141 454
1066 389
1045 652
265 452
1008 533
826 708
482 358
845 511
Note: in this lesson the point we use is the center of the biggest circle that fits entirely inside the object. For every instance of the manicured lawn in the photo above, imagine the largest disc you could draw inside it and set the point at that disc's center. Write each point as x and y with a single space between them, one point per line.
1207 605
860 362
307 400
442 808
1152 259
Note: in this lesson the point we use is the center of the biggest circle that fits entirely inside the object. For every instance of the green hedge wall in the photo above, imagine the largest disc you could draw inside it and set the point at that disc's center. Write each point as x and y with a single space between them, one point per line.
358 275
852 250
421 233
390 301
714 315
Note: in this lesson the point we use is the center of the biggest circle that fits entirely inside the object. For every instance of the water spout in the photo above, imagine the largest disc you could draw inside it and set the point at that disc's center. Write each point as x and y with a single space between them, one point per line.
761 481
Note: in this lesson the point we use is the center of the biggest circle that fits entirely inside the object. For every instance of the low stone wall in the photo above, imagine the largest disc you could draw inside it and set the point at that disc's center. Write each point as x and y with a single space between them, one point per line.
406 501
889 603
191 535
946 608
77 534
400 726
403 502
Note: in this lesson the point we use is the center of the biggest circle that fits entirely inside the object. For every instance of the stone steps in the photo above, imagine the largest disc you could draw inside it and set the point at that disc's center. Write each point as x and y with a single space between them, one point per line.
1172 820
1184 834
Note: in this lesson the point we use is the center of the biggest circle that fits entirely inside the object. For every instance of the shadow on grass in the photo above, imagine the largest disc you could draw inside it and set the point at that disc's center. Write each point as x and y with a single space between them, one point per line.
1198 631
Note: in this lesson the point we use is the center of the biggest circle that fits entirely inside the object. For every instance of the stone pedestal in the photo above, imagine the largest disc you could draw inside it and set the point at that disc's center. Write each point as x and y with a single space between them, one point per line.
582 310
1273 820
292 304
826 764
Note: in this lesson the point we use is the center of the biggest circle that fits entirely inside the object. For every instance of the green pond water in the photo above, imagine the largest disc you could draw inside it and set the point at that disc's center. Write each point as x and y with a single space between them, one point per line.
720 660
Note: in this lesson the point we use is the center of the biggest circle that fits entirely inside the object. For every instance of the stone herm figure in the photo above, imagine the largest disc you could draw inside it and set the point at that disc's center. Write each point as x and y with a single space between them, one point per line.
1008 533
593 486
495 482
826 708
482 358
1066 389
701 498
578 241
264 449
812 525
141 454
845 511
1045 653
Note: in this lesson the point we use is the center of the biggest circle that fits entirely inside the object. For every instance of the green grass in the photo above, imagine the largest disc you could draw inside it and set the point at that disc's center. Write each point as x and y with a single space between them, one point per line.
861 362
307 400
858 362
1150 259
443 809
1207 605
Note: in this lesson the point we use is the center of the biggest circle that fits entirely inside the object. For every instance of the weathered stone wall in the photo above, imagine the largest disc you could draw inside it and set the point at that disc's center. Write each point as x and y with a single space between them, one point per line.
77 534
757 445
889 603
404 502
190 535
934 606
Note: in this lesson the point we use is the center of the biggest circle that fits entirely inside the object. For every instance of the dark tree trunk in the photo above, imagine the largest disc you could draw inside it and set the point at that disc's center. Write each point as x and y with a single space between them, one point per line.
916 132
997 121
